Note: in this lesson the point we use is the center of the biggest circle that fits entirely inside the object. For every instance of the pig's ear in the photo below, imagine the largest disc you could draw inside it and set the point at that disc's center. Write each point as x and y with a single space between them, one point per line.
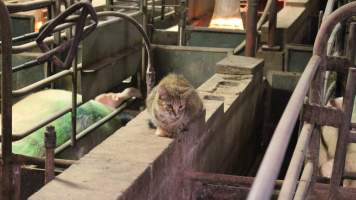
336 103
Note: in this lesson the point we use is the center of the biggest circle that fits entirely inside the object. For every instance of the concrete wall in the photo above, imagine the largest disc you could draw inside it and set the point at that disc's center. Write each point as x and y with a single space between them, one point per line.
135 164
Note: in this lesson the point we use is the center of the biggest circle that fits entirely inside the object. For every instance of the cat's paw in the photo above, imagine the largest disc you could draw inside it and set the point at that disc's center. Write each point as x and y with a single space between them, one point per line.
162 133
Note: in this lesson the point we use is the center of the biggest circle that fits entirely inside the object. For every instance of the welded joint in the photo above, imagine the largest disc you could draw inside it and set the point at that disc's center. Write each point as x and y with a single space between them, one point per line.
322 116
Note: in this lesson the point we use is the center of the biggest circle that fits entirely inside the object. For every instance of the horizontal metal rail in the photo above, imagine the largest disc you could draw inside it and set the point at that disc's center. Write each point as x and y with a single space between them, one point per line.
41 83
96 125
29 5
43 123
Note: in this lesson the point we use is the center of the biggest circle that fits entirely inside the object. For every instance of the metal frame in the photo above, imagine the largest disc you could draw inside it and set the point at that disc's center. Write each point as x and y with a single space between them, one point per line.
10 160
313 80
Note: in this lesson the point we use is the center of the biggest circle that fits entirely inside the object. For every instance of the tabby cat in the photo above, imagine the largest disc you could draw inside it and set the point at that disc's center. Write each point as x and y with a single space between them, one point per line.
172 104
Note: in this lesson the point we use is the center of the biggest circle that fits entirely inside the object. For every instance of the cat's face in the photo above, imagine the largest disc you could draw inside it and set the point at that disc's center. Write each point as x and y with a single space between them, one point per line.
173 103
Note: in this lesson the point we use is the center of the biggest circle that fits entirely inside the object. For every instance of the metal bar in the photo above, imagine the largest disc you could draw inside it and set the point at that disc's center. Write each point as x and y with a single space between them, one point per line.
328 25
29 5
163 6
124 7
79 28
25 65
263 185
295 165
50 144
260 22
41 124
182 22
144 56
41 83
17 181
96 125
344 130
304 183
272 161
27 160
352 137
223 179
351 48
251 30
321 115
272 23
329 8
153 12
6 103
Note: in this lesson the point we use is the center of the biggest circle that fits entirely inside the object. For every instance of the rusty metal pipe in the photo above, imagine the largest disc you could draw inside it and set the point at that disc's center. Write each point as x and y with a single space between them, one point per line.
50 145
6 103
251 30
272 23
27 160
295 165
260 22
344 132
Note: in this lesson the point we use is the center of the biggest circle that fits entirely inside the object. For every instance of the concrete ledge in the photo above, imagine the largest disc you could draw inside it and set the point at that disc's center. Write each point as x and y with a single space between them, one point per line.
135 164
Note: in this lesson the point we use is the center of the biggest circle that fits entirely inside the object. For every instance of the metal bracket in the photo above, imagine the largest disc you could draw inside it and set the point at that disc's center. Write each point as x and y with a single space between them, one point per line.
316 114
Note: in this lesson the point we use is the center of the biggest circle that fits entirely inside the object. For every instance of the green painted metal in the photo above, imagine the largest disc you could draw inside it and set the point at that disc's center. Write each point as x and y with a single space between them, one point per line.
197 64
21 78
22 24
297 57
209 38
108 41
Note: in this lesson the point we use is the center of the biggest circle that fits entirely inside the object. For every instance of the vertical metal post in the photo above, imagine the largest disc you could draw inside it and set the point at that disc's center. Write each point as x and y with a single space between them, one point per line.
153 12
17 181
182 22
351 49
272 23
163 6
251 29
74 103
6 103
50 144
316 98
143 9
344 130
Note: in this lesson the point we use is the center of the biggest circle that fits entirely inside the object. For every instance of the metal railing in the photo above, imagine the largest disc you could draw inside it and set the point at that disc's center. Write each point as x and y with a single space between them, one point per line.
65 20
311 80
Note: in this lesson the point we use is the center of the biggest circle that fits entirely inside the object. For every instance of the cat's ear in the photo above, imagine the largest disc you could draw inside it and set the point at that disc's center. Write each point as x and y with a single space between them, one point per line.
188 92
162 92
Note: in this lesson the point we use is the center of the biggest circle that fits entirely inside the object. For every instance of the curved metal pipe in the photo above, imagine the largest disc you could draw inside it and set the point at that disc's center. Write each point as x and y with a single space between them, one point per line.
150 71
328 25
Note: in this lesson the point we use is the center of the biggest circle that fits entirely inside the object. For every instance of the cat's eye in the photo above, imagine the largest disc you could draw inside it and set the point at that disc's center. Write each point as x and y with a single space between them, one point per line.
180 107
